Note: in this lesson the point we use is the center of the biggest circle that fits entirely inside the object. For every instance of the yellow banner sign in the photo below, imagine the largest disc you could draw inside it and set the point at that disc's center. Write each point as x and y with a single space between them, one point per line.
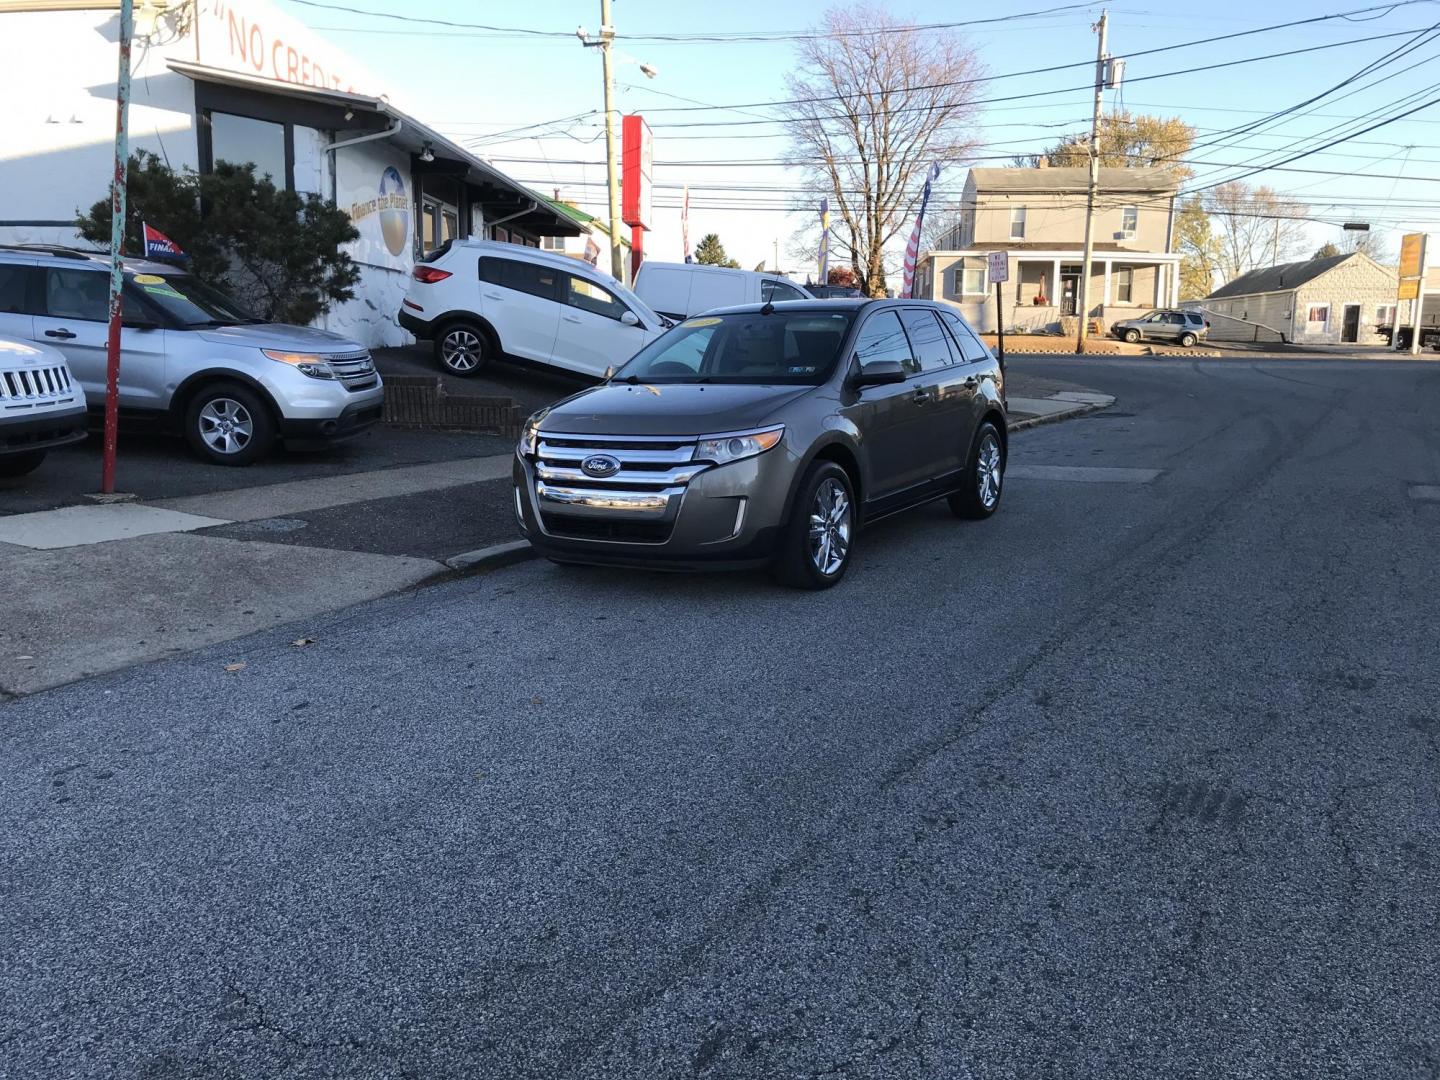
1409 288
1412 255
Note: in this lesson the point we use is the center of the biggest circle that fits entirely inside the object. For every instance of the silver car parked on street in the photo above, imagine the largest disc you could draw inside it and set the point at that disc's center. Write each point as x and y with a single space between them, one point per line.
1182 327
191 360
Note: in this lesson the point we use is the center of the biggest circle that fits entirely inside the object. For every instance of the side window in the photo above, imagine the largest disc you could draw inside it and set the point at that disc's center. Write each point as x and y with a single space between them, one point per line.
77 294
970 345
15 289
772 291
883 338
1175 318
587 296
521 276
932 346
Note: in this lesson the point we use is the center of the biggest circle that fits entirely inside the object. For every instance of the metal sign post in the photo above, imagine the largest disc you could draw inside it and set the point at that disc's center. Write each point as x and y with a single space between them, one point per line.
117 244
999 271
1411 288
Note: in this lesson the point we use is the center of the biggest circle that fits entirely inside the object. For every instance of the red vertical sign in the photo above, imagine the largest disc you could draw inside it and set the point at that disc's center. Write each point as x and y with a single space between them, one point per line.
635 167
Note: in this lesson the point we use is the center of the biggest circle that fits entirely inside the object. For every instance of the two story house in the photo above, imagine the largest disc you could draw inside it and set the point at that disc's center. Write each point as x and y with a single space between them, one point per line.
1038 216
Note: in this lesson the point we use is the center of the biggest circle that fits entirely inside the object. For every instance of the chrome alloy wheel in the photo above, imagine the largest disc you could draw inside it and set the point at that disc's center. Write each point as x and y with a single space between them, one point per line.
226 425
830 527
987 471
461 350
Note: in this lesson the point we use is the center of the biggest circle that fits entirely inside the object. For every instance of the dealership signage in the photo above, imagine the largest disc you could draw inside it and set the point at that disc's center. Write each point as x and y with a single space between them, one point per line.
255 39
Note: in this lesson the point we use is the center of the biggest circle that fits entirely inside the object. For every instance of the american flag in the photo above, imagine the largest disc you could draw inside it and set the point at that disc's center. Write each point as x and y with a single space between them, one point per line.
912 249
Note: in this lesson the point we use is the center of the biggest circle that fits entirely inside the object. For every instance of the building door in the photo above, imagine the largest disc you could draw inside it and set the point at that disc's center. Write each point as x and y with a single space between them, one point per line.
1069 287
1350 328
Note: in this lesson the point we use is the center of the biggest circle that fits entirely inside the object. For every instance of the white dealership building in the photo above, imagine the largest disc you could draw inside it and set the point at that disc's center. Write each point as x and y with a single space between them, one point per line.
238 80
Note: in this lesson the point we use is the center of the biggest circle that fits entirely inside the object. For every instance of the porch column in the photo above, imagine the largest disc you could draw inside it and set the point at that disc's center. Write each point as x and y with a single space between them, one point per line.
1054 293
1174 284
1159 284
1105 296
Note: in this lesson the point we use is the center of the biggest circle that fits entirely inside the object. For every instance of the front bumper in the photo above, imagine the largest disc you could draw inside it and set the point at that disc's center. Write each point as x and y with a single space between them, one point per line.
355 419
44 432
725 517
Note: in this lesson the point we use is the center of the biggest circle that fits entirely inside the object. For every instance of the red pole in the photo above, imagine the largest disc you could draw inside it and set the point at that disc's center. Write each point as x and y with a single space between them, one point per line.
637 250
117 245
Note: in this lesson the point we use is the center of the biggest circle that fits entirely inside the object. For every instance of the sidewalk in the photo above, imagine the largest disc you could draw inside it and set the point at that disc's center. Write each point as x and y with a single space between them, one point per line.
92 588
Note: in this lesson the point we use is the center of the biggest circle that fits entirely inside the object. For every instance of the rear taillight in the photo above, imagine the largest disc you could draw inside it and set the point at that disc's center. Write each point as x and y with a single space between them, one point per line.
429 275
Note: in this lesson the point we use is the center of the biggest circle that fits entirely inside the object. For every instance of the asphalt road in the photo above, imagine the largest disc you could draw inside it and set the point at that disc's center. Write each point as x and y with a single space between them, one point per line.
1138 779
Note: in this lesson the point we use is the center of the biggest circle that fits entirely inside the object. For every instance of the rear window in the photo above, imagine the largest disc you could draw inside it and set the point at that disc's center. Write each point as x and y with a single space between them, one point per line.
15 289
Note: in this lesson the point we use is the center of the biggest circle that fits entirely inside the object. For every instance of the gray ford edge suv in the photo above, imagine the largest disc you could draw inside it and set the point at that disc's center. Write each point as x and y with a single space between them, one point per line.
767 435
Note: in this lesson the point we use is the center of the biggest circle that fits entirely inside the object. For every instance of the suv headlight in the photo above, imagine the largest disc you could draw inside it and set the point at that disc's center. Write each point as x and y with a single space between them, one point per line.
312 364
530 435
722 449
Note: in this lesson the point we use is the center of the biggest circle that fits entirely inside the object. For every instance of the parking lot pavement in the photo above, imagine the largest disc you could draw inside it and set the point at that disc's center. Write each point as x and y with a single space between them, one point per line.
153 467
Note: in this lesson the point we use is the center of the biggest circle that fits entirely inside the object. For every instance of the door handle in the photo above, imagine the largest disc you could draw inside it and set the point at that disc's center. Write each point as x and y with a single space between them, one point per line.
922 396
571 318
493 296
63 334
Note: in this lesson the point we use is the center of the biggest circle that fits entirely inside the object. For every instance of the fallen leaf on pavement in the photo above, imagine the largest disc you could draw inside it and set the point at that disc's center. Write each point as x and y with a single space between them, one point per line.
237 666
300 643
537 701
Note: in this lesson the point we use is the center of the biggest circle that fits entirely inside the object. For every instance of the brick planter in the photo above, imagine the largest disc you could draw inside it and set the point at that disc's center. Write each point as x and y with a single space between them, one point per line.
422 401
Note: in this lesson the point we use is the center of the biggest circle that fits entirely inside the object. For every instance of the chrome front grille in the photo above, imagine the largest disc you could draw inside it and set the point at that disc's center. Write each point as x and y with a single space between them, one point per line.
355 370
33 388
651 477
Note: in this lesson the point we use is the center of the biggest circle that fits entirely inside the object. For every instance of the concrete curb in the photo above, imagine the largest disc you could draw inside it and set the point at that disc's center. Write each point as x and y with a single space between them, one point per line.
1055 417
492 557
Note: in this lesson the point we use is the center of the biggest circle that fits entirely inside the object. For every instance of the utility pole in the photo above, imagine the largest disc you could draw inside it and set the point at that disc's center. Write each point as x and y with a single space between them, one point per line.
612 165
1082 307
118 182
777 255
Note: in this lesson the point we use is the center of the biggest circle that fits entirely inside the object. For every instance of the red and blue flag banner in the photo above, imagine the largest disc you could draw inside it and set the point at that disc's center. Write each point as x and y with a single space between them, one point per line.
912 249
824 242
158 245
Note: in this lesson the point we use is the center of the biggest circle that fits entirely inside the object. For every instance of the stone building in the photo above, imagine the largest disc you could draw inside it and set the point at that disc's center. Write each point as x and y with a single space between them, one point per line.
1334 300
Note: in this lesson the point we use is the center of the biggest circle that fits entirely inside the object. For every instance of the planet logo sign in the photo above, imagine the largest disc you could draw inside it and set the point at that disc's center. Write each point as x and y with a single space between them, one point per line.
394 207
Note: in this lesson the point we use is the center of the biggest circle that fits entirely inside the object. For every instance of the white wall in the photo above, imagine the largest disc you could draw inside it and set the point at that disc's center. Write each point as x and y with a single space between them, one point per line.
57 128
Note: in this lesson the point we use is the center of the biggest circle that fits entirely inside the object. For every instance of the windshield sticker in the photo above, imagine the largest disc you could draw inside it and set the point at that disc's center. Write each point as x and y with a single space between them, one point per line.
163 290
149 279
702 322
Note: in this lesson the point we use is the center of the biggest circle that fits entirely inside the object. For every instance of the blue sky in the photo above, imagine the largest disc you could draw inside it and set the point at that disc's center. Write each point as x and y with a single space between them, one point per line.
477 86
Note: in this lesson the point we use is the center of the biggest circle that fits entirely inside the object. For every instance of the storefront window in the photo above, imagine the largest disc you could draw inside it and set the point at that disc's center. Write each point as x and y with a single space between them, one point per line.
242 140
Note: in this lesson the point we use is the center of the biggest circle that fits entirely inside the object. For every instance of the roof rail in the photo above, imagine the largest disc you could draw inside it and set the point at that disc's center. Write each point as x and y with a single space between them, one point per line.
53 249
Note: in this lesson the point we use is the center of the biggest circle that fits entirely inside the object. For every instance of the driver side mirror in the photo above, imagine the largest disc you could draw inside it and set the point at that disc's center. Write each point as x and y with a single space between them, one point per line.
629 318
878 373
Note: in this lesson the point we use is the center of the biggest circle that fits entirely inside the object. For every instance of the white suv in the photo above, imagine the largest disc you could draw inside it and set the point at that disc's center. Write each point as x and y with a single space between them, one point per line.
41 405
479 299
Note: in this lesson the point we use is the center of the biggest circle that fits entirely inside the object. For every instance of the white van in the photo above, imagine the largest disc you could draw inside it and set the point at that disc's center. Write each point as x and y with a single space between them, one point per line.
679 290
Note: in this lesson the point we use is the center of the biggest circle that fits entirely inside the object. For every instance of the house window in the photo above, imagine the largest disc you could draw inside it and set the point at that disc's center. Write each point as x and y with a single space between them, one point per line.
1317 317
972 281
553 243
1017 223
243 140
1129 222
1385 315
1124 285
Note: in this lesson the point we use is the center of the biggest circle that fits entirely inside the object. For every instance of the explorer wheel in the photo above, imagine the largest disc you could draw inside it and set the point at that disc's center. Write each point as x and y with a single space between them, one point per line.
229 424
462 349
979 493
817 544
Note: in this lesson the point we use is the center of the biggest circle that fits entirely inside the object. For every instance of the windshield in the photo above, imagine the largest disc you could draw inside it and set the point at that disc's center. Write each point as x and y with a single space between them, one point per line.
189 301
796 347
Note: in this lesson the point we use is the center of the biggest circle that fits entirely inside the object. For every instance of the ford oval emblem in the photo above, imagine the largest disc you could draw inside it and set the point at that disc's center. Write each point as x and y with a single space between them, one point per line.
600 466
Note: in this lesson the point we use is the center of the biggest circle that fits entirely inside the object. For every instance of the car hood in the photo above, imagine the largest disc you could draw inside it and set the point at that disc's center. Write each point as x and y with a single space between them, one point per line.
279 336
668 409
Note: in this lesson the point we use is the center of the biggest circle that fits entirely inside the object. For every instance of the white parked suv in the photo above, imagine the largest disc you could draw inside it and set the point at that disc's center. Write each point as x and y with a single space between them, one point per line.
191 360
679 290
480 299
41 405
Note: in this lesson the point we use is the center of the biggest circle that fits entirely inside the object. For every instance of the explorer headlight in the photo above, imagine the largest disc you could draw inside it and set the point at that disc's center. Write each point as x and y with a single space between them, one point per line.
722 449
312 364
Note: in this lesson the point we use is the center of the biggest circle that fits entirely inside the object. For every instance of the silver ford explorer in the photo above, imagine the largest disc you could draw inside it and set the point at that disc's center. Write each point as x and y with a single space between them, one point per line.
767 435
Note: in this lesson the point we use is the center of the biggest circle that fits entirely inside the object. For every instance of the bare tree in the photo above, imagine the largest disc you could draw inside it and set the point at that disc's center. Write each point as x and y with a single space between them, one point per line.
1253 227
1375 243
875 106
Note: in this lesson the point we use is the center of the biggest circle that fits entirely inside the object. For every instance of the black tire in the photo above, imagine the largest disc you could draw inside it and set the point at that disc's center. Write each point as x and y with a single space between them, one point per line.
251 434
797 559
20 464
1187 339
976 499
463 349
1132 335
